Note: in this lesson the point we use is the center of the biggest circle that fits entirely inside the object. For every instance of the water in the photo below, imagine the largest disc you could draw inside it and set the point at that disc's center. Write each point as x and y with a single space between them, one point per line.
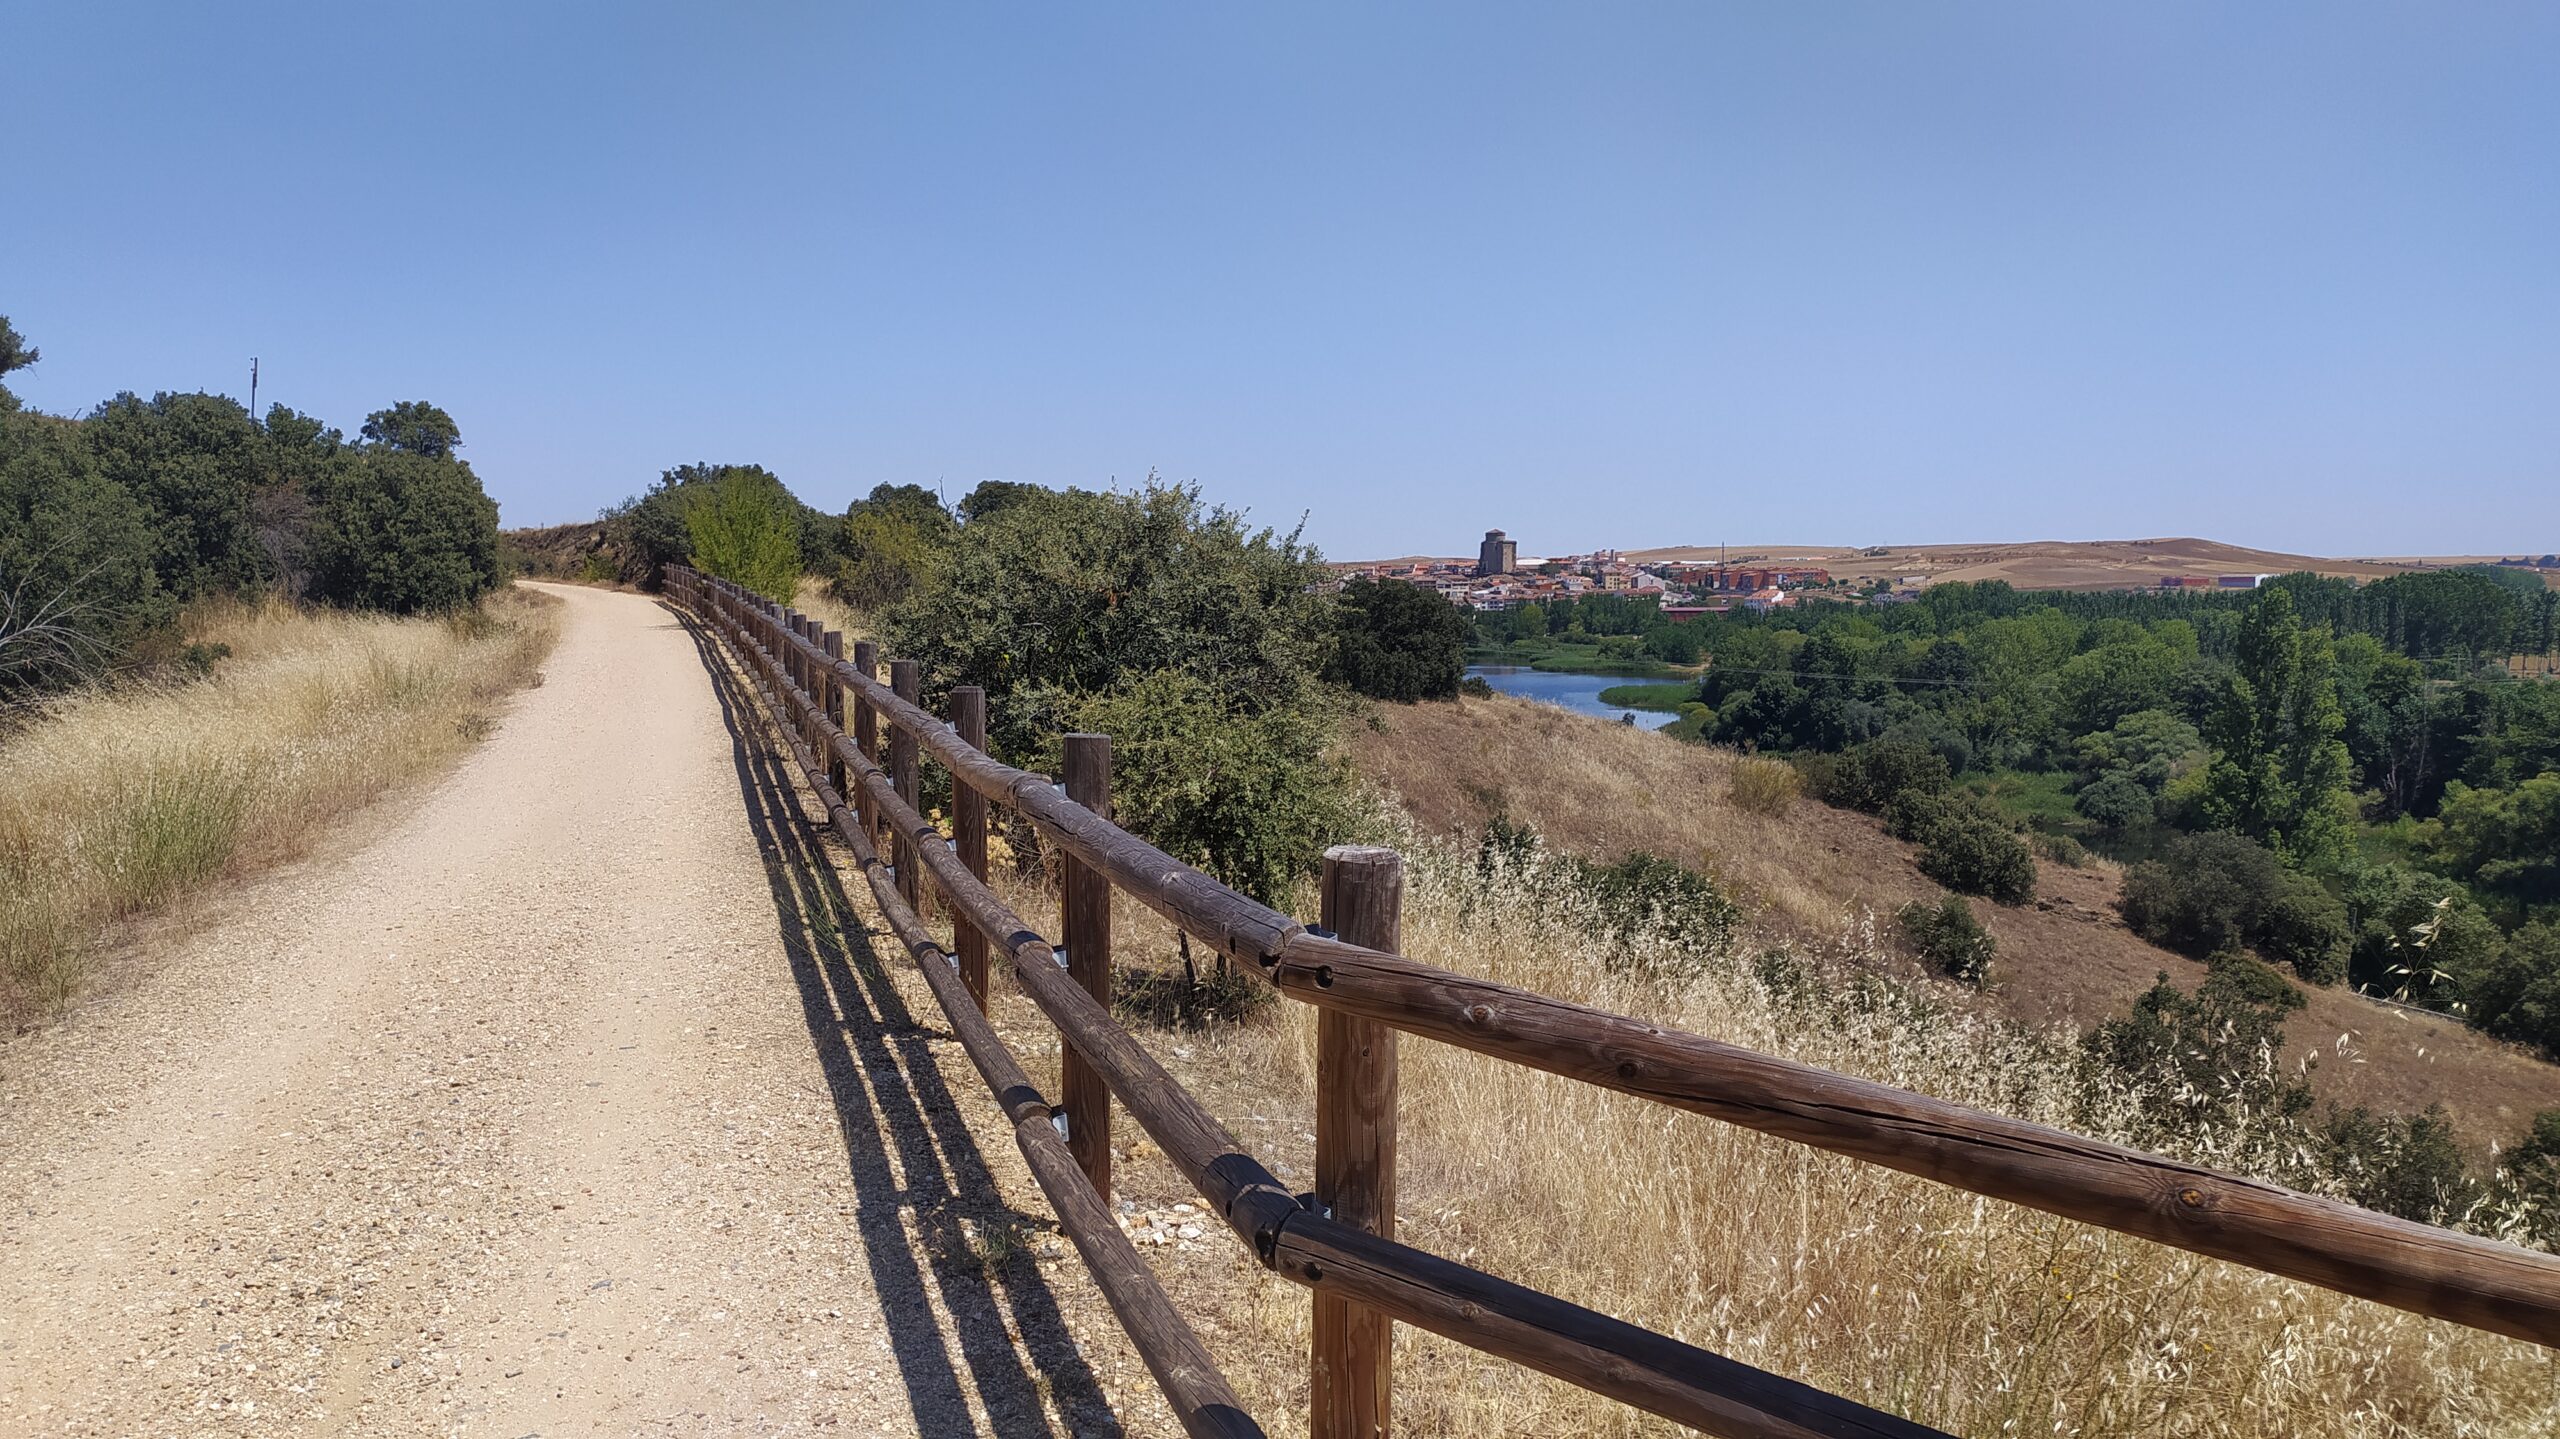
1579 693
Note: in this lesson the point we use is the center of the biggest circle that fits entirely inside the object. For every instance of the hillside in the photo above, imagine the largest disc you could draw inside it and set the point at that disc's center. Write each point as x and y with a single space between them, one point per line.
2040 564
1602 789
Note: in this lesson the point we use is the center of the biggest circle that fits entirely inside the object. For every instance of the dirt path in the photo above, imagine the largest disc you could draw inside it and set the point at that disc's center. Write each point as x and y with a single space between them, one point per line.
571 1101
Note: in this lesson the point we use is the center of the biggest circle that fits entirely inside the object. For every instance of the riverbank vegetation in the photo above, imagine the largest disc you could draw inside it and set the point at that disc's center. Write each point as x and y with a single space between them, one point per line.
2371 741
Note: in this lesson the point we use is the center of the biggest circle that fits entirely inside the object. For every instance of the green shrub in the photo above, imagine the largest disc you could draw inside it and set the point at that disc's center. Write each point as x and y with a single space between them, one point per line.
1764 786
2410 1166
2213 892
743 530
1965 845
1475 687
2116 800
1947 935
1978 856
2211 1055
2306 927
1646 894
1877 775
1397 641
1250 797
403 532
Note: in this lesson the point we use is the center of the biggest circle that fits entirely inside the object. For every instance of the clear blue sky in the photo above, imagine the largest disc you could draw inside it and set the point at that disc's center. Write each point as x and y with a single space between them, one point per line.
1595 273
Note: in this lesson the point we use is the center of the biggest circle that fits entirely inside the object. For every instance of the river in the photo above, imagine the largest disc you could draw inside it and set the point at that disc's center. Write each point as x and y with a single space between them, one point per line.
1567 689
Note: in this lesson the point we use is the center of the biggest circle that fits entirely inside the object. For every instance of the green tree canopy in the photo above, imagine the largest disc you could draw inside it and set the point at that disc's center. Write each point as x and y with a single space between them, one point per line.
1398 642
196 462
404 532
2280 774
1056 597
15 355
77 585
414 427
891 537
742 526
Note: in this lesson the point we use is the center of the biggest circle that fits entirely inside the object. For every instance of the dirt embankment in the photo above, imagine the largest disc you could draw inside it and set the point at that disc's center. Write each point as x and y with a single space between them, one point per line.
1603 789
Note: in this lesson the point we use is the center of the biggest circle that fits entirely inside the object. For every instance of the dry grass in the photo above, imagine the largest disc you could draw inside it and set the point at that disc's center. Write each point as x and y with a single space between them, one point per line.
1969 1314
1816 874
812 599
116 802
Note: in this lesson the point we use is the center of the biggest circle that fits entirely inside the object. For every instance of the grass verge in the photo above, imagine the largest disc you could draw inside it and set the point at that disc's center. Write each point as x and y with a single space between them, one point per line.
115 802
1968 1314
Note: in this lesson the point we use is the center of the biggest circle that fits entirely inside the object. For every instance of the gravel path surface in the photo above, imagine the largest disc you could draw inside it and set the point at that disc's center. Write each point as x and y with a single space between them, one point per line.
571 1100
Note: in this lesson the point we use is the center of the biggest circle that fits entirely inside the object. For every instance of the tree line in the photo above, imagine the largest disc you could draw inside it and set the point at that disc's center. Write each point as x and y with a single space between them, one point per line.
2340 778
112 522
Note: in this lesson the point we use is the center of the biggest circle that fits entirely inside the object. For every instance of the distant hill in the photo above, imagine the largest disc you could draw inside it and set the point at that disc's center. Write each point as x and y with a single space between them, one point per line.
2048 564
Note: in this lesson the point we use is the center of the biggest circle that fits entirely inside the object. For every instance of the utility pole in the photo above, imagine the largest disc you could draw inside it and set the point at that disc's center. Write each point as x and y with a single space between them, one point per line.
253 387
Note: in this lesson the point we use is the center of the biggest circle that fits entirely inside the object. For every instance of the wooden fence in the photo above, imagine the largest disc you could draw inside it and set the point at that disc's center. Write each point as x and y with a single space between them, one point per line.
1339 1241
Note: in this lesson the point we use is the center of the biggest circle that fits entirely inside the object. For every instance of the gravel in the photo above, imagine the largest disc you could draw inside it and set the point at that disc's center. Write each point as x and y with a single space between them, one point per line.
551 1104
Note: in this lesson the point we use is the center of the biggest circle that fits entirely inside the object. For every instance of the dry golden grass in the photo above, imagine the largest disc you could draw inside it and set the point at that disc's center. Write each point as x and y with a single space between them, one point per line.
118 801
1969 1314
812 599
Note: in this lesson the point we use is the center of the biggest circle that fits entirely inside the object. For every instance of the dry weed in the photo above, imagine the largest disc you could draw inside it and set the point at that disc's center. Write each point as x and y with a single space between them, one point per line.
116 801
1969 1314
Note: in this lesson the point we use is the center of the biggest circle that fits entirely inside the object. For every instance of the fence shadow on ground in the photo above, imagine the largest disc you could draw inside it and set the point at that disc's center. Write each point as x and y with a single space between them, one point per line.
911 1154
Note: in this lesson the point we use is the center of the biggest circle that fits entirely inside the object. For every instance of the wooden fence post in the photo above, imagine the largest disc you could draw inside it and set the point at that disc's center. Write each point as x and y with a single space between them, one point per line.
904 682
1085 921
969 832
866 732
811 685
1352 1355
834 701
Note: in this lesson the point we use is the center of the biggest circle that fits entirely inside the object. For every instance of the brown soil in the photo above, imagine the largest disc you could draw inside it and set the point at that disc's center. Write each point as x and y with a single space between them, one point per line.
1603 789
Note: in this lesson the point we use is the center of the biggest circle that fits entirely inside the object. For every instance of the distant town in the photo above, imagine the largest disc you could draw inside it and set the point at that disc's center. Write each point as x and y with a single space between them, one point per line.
1501 578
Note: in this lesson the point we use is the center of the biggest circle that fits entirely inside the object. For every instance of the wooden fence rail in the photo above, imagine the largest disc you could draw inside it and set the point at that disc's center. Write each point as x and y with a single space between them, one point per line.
1340 1241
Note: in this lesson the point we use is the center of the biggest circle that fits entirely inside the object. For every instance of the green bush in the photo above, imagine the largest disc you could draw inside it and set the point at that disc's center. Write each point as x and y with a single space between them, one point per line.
1397 642
743 530
1972 855
2117 800
2062 849
2211 893
2410 1166
2306 927
404 532
2516 994
1249 797
1877 775
1965 845
2211 1055
1646 894
1058 595
1947 935
890 539
77 582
